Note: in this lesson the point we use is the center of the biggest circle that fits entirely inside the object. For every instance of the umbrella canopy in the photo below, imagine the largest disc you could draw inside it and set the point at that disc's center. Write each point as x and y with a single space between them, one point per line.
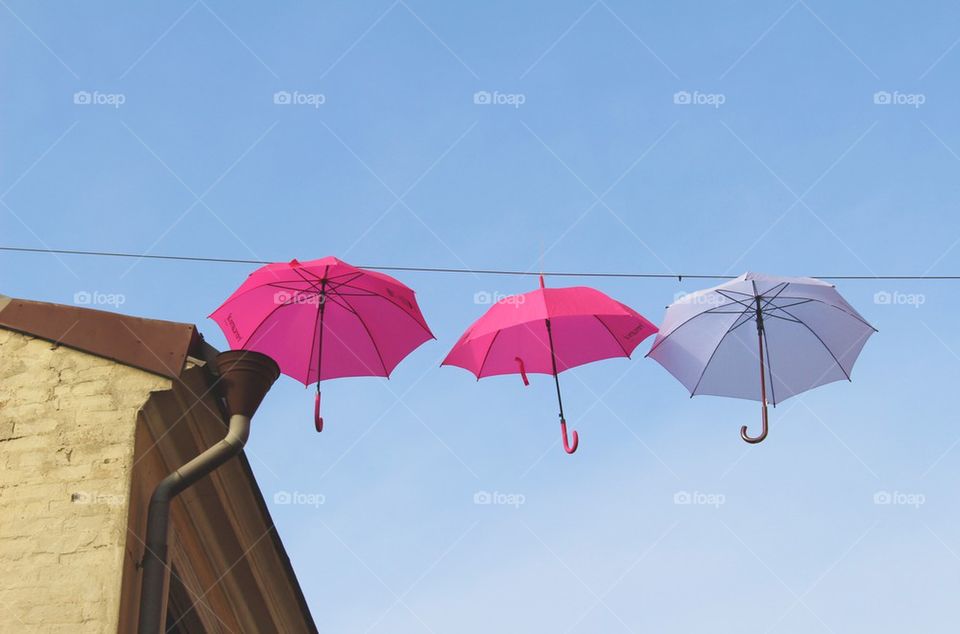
324 319
547 331
798 331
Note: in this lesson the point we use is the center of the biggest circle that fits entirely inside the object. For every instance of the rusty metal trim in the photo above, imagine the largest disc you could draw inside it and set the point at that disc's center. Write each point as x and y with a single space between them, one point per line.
153 345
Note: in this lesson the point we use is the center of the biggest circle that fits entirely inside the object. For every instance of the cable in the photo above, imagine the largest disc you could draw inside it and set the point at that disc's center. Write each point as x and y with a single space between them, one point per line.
430 269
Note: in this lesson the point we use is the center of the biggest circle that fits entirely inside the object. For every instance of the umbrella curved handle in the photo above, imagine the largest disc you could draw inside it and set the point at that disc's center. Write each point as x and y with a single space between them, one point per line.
523 370
317 418
569 448
763 383
763 431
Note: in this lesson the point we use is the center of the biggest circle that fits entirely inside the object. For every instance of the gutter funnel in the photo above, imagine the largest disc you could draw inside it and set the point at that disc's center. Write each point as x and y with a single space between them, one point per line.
244 379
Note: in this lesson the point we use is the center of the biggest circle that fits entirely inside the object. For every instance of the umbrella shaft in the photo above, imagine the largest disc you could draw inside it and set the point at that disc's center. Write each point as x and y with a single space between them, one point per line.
323 305
553 362
763 383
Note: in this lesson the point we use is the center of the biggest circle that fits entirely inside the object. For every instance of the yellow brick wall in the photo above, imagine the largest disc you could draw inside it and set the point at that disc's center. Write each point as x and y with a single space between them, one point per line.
67 426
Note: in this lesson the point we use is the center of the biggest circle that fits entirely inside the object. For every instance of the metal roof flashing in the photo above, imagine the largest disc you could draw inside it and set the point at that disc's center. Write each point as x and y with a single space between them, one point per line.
157 346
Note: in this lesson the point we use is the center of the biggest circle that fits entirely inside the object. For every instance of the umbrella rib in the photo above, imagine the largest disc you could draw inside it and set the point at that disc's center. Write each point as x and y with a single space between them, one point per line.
396 305
372 340
858 318
723 293
825 346
745 321
706 366
769 300
657 344
773 307
487 353
264 320
299 272
781 317
337 285
359 294
723 312
840 308
619 343
238 295
337 299
810 299
307 271
281 285
312 284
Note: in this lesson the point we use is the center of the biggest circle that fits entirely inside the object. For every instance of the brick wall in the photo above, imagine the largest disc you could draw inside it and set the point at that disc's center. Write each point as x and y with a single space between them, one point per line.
67 426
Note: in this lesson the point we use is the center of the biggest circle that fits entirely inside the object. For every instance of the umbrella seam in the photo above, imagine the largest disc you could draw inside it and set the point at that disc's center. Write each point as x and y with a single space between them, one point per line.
487 353
359 272
712 311
393 303
706 365
825 346
840 308
370 335
263 321
619 343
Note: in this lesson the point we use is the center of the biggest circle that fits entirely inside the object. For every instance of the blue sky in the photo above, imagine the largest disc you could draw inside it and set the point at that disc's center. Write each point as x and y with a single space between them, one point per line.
785 161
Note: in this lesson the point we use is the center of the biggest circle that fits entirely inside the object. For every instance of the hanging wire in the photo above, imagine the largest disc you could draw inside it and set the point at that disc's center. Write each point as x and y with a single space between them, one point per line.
433 269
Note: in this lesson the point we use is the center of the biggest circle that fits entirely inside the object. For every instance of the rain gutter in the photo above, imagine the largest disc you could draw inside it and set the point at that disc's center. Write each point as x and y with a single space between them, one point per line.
244 379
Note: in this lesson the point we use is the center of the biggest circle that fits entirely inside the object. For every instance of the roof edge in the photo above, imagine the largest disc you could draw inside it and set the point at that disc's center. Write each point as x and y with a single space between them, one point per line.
153 345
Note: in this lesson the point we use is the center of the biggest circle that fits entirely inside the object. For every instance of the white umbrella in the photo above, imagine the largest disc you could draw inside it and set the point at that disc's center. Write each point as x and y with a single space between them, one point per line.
798 330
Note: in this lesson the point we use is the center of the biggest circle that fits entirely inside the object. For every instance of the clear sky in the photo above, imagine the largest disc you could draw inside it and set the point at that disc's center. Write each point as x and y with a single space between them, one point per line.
153 127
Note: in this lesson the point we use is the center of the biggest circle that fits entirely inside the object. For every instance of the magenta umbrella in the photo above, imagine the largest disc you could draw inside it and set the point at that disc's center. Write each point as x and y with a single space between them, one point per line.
547 331
324 319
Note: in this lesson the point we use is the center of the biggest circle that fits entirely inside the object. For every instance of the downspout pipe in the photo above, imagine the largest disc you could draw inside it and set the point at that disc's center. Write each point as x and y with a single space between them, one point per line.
244 379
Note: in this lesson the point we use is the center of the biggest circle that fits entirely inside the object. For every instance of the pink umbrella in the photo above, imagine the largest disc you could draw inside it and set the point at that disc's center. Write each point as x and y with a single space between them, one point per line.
324 319
547 331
